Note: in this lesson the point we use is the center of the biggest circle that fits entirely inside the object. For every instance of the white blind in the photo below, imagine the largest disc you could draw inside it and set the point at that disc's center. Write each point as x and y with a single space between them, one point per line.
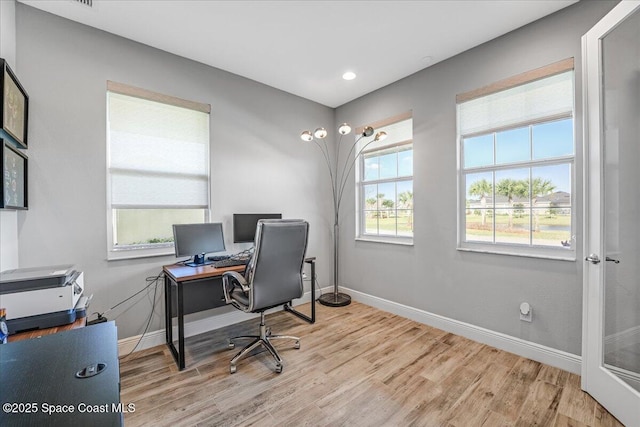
397 132
158 154
547 97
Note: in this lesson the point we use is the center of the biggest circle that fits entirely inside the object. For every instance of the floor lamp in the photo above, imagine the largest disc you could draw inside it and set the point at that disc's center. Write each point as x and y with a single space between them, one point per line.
339 176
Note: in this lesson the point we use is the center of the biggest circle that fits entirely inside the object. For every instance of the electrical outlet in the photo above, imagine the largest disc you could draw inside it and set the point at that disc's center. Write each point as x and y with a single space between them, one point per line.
526 312
525 317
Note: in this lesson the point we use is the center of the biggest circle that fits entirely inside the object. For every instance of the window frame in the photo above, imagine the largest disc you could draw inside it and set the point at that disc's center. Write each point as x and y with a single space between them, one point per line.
361 183
121 252
527 250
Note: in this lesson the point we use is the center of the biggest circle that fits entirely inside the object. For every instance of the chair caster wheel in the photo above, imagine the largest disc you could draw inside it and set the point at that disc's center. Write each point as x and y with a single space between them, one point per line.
232 369
296 345
278 369
232 345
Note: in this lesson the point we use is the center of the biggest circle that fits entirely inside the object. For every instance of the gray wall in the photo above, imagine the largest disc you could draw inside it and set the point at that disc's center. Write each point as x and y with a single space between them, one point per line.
258 162
481 289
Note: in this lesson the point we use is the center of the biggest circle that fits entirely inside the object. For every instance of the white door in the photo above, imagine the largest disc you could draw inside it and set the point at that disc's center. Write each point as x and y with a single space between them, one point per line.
611 321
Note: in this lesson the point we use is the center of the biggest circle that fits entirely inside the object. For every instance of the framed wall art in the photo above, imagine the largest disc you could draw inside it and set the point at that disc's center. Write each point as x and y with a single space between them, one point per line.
14 177
14 108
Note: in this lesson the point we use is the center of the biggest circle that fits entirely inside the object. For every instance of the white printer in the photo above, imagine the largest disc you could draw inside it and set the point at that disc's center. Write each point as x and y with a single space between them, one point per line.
41 297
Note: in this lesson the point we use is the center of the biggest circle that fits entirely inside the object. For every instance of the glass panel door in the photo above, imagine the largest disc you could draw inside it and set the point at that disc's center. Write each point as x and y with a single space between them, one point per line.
611 329
621 148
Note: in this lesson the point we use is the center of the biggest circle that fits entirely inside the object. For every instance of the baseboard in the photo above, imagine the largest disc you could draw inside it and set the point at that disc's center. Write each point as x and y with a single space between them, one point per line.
550 356
154 338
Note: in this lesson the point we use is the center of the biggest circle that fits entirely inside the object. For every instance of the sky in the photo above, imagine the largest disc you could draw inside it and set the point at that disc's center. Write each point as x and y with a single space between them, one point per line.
537 142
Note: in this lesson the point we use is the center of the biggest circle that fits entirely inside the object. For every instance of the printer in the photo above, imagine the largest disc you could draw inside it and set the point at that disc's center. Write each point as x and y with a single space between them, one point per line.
42 297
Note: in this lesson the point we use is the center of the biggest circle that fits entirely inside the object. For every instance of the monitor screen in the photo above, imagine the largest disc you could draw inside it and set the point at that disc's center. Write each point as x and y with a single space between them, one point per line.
244 226
198 239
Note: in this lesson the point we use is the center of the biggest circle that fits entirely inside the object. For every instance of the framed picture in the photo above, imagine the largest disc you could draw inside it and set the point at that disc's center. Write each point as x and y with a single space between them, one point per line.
14 177
14 108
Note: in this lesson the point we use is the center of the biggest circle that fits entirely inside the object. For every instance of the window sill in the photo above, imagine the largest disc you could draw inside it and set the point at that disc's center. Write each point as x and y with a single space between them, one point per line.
122 254
560 255
390 240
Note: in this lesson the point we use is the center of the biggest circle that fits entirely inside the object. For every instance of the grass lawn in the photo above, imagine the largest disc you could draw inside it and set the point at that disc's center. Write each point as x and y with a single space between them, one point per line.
388 225
554 229
551 229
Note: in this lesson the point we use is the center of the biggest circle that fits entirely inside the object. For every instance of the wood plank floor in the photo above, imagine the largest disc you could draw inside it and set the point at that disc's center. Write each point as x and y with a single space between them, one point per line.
357 366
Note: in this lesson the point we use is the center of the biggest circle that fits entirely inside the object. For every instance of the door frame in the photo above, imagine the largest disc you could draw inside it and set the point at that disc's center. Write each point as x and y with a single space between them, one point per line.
618 397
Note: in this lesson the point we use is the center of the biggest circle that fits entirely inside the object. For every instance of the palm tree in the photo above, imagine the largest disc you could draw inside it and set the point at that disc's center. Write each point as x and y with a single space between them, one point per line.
379 199
539 187
388 205
371 204
406 201
511 188
482 189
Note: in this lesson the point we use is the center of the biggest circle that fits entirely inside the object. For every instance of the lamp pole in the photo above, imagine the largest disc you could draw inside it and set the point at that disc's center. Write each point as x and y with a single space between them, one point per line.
338 184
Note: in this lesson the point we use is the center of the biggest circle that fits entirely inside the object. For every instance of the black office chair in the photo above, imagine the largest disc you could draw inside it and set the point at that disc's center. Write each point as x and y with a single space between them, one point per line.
273 277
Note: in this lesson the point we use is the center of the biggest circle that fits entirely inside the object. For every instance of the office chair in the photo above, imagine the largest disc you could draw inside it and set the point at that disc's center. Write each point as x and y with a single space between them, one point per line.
273 277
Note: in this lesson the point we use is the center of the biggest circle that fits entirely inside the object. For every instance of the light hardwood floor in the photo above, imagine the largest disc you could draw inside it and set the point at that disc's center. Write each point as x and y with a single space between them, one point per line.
357 366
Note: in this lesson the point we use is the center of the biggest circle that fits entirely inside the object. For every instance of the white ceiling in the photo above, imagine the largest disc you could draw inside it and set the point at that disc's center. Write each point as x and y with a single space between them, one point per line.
303 47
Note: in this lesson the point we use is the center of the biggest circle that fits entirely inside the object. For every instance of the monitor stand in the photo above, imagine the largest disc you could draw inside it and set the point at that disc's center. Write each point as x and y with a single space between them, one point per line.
198 260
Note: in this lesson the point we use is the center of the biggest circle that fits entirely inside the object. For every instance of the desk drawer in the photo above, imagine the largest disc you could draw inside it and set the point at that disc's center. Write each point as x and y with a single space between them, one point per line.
200 295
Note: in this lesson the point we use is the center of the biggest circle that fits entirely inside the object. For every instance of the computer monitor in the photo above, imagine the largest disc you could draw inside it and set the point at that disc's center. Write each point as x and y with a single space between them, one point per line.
196 240
244 226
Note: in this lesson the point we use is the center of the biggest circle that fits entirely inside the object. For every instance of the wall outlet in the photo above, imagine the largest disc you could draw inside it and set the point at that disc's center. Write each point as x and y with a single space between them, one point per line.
526 312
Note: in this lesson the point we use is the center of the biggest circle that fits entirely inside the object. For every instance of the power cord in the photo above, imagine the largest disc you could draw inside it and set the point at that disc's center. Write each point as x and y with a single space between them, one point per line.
152 280
101 316
247 253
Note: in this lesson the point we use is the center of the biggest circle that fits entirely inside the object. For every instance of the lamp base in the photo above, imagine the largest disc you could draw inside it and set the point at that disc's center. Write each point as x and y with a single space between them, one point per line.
335 299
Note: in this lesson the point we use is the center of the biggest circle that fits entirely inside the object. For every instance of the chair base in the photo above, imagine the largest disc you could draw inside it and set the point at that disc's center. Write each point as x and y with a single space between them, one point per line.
264 340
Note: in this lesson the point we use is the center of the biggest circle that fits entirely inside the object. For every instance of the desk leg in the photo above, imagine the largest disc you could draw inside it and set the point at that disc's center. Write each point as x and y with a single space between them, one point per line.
180 328
287 307
167 310
313 291
178 354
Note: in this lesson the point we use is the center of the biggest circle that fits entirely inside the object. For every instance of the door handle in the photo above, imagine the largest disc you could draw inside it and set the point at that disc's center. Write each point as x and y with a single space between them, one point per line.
617 261
593 259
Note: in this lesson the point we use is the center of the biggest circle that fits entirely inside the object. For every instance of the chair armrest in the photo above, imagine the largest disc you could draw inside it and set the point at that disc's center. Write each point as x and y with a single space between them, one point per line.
230 280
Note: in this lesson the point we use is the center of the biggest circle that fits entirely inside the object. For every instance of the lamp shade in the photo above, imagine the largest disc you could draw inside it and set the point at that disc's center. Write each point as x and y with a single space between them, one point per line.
320 133
306 136
344 129
380 135
367 131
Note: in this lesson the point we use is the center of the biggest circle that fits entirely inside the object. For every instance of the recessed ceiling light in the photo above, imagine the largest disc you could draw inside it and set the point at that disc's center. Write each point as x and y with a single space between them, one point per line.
349 75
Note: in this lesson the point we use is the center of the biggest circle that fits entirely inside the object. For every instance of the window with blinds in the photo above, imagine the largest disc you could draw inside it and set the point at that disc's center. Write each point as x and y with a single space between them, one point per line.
385 184
157 169
516 165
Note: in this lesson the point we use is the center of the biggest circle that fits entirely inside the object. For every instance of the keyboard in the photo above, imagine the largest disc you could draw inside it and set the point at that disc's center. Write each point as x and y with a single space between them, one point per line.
230 262
217 257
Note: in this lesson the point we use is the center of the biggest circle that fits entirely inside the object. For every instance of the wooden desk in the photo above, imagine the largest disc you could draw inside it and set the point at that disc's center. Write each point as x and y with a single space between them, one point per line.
37 333
197 289
200 288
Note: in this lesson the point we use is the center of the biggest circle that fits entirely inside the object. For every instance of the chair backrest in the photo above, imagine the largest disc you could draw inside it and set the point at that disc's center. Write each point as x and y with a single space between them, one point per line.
274 273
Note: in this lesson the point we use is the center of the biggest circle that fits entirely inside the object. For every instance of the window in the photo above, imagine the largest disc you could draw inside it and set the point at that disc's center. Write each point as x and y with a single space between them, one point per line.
516 166
385 185
157 169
